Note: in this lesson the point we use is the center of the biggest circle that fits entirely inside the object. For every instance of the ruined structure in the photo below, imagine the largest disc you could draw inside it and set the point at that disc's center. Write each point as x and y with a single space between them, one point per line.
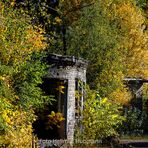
135 86
69 69
62 81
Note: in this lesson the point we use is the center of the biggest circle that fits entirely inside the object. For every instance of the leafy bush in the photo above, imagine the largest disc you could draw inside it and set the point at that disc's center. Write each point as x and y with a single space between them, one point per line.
100 118
133 124
55 119
21 72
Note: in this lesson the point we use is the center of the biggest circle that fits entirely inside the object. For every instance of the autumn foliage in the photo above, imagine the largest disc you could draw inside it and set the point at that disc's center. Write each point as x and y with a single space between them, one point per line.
18 41
111 34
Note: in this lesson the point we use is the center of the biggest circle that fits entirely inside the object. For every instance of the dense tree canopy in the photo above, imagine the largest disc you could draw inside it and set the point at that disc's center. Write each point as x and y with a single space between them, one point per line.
111 35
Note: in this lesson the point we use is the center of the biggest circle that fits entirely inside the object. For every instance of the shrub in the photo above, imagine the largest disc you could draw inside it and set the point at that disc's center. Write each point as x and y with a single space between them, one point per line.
100 118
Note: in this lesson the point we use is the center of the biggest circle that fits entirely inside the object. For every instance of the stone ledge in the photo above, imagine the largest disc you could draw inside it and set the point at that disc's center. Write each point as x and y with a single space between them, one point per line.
61 60
136 79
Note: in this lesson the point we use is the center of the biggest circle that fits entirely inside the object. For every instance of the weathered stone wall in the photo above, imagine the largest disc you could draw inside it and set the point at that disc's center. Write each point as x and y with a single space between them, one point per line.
70 73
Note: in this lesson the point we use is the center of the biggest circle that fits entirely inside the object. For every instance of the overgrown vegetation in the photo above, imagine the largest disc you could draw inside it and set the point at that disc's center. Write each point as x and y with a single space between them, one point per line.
99 119
114 42
111 34
21 71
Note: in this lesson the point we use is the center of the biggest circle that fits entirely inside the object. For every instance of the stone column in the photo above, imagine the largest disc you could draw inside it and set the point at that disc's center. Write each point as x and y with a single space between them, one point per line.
70 69
71 104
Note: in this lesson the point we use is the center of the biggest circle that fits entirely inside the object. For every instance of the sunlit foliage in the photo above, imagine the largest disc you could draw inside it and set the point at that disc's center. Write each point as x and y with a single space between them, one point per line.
21 72
100 119
134 42
110 34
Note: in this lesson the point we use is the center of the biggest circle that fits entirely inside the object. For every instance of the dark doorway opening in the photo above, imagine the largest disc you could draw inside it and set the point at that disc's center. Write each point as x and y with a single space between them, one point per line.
58 89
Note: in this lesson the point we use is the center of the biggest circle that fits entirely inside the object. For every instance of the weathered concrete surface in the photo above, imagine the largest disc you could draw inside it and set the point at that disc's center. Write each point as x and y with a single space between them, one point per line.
68 68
